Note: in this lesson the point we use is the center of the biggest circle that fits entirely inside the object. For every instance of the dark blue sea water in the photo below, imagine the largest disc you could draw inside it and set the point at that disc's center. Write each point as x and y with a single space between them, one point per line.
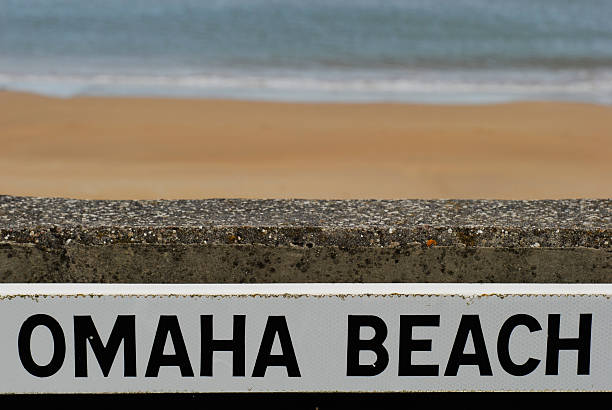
339 50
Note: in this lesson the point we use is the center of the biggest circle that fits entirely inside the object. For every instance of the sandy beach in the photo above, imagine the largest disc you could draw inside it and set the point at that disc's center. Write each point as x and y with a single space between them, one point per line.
145 148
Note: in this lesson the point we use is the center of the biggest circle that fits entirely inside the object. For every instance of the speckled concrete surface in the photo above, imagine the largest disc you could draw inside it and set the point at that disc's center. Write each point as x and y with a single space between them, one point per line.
233 240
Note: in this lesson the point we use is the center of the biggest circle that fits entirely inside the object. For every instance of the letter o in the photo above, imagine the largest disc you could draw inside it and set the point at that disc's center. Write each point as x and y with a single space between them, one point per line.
24 345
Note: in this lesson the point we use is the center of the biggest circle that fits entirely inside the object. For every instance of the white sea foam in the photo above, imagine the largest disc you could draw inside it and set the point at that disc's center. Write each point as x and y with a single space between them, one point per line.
466 87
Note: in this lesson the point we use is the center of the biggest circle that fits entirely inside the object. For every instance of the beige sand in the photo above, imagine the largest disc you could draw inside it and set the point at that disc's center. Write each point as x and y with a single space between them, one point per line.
164 148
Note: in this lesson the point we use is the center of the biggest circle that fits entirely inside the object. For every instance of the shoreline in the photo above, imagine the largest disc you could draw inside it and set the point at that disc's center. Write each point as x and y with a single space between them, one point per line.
153 148
444 102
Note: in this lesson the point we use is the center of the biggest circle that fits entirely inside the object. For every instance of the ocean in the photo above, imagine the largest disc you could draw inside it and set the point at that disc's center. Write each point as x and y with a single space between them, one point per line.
442 51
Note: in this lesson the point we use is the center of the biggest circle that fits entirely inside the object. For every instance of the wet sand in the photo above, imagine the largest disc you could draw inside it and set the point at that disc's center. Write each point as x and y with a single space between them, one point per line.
146 148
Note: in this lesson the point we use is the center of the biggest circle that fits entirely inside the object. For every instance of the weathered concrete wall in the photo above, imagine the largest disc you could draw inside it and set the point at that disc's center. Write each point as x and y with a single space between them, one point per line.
234 241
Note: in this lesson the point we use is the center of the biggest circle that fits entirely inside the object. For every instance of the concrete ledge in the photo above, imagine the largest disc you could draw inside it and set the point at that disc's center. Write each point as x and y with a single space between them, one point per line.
231 241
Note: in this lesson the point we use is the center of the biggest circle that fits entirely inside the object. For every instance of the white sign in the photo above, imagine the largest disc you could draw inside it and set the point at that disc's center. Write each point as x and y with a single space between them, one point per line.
304 338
